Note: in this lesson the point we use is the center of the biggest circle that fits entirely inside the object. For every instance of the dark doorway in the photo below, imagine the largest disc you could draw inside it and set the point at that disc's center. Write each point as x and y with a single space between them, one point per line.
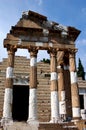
20 102
81 101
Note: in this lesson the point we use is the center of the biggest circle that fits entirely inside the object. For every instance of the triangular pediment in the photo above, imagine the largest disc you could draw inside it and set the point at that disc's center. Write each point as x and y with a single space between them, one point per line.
31 20
34 29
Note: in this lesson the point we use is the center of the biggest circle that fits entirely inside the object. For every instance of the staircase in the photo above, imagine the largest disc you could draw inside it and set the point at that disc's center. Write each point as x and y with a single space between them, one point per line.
43 93
39 126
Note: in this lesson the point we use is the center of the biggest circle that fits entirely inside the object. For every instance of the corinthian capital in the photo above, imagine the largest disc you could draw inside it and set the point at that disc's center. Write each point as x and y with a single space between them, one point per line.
33 51
11 49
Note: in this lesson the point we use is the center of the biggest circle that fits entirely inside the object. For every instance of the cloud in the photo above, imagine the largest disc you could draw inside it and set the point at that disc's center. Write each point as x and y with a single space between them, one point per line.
39 2
81 42
83 10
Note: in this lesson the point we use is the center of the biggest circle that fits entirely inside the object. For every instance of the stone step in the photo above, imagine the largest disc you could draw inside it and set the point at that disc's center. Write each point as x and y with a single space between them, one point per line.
42 85
45 108
21 126
56 126
21 72
2 73
44 78
36 126
46 97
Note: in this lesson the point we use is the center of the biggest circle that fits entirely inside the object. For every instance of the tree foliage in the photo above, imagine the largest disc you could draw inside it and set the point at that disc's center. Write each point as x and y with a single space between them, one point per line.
46 60
80 71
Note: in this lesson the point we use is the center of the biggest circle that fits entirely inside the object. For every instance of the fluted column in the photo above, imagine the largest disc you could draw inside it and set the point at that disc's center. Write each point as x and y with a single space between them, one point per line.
74 87
54 88
33 86
8 97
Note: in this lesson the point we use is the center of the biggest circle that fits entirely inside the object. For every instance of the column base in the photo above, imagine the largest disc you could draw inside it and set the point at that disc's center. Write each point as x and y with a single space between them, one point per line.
63 117
76 118
6 121
32 121
55 120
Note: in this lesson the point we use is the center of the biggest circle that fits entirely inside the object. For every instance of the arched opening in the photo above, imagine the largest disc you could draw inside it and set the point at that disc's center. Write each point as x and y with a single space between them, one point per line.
20 102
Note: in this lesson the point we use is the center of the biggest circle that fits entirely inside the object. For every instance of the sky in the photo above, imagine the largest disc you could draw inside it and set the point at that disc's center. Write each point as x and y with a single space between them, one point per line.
66 12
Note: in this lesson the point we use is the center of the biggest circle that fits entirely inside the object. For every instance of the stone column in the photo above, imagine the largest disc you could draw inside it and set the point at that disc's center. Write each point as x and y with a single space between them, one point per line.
54 88
61 90
8 97
61 85
74 86
33 86
67 85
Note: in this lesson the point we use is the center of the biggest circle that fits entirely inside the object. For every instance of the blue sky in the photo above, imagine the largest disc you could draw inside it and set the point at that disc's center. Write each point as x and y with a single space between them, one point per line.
66 12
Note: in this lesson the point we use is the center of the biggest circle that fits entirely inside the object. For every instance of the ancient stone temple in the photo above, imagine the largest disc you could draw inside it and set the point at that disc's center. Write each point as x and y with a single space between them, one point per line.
40 92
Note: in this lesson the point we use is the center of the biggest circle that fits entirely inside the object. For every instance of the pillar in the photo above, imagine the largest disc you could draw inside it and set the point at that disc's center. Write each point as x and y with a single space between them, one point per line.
7 107
62 93
54 88
33 86
74 86
61 85
68 92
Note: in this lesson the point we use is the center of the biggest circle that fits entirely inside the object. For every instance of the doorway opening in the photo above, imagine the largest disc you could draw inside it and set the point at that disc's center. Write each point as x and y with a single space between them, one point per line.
81 101
20 102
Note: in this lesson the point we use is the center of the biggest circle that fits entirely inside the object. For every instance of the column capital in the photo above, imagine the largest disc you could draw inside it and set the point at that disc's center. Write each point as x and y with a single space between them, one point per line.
11 54
11 49
72 51
52 52
72 54
33 51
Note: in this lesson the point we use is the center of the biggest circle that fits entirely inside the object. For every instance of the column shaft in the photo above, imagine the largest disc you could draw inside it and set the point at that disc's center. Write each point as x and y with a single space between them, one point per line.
74 87
7 108
33 86
68 91
54 88
62 96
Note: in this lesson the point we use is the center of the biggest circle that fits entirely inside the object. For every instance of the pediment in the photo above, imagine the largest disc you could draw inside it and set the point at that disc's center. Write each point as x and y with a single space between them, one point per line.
31 20
27 23
34 29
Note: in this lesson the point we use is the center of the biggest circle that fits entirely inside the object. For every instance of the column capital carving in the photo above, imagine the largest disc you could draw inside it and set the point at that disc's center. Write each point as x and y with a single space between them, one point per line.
72 51
52 52
11 49
33 51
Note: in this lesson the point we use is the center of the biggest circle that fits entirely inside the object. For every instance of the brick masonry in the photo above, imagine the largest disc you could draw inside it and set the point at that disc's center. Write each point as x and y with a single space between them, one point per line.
21 71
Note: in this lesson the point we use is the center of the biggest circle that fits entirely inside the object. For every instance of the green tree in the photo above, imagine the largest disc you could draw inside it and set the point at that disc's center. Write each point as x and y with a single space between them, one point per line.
46 60
80 71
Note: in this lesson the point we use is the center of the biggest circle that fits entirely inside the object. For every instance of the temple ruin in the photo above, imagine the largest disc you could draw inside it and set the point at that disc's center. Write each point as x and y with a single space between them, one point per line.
50 92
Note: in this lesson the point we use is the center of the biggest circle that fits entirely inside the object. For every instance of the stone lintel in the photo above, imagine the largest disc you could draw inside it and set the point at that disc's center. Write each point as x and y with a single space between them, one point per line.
39 45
